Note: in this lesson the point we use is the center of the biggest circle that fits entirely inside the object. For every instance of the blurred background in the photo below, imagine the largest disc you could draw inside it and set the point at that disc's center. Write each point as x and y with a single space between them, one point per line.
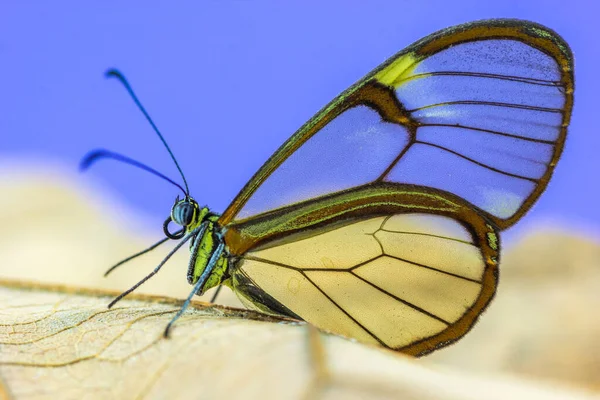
227 82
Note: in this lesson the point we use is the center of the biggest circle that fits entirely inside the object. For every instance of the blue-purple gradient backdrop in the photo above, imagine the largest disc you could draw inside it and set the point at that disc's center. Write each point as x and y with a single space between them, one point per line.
229 81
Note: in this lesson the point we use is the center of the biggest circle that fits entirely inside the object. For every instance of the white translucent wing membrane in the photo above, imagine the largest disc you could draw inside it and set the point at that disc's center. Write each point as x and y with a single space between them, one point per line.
353 149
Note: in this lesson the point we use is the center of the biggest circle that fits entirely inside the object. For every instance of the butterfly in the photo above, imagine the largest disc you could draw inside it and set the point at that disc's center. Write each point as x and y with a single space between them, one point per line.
379 218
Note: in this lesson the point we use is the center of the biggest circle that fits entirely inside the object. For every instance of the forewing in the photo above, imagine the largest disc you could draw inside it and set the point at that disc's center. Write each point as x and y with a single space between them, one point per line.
479 111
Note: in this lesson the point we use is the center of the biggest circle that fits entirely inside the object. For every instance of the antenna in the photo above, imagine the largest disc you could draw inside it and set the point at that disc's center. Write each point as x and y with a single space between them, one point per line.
98 154
113 73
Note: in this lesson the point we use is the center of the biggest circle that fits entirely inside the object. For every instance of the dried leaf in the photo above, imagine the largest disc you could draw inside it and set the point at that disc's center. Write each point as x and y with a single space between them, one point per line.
57 343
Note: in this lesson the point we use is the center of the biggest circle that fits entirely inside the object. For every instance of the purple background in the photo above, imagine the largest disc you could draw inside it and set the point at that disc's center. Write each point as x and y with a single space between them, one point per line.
228 81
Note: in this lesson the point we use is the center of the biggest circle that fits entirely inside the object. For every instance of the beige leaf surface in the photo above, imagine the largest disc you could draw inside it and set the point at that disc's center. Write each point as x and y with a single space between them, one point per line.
58 340
56 343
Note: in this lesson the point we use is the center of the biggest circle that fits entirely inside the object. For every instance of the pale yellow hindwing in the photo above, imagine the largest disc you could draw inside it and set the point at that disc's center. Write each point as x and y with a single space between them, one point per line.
393 280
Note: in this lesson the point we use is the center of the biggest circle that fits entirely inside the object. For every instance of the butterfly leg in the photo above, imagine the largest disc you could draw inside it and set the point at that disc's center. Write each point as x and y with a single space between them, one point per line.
214 297
198 286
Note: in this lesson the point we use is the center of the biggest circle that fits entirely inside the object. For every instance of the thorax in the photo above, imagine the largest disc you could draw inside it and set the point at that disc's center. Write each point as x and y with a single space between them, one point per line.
202 248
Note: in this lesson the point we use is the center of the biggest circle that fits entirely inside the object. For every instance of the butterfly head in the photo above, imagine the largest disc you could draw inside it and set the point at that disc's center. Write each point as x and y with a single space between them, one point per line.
186 213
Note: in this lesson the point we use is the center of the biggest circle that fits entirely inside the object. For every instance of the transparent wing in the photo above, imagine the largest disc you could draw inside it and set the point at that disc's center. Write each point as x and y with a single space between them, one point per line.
412 282
479 111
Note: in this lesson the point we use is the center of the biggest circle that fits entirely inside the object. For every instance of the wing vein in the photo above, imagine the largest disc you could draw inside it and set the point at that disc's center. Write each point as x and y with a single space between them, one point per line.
396 160
407 303
513 78
477 162
278 264
327 269
488 103
428 234
342 309
429 267
472 128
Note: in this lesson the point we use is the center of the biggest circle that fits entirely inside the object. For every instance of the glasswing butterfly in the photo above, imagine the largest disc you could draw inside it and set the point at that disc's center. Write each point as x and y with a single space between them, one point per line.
379 218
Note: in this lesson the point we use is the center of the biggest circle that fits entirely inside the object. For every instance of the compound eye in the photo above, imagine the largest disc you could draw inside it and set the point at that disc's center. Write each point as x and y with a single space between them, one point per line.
183 213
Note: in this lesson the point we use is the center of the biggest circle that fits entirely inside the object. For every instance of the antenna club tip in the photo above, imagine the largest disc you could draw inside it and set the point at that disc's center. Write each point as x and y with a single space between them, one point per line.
113 73
90 158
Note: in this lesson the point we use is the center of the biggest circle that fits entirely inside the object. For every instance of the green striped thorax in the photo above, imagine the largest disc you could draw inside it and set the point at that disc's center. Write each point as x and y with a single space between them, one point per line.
206 236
